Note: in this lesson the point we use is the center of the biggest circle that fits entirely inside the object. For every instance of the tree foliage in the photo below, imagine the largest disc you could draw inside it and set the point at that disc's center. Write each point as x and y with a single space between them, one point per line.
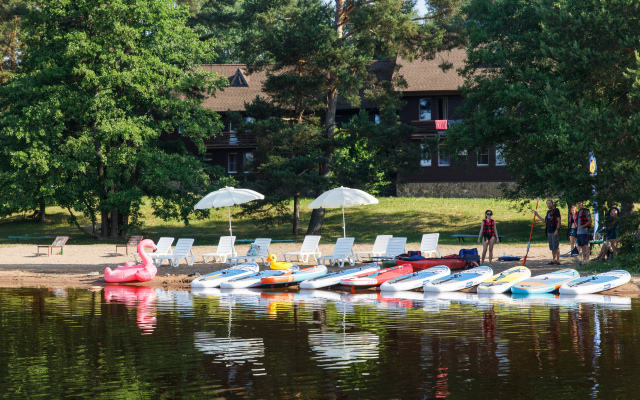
319 54
11 12
554 81
81 121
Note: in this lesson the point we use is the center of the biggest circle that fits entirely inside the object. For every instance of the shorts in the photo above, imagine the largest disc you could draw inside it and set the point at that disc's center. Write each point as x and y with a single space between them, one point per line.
554 244
612 234
573 231
583 239
484 237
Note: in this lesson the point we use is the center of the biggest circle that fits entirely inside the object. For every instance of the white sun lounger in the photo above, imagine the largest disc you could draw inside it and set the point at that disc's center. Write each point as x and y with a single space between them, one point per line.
182 250
379 247
225 249
395 247
263 253
309 248
163 248
429 245
343 251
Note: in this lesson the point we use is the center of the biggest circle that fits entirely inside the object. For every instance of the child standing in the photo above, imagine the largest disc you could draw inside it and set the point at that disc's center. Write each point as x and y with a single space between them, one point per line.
489 235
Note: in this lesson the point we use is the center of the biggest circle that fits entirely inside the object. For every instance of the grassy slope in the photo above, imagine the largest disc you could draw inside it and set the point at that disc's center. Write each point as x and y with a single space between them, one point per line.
410 217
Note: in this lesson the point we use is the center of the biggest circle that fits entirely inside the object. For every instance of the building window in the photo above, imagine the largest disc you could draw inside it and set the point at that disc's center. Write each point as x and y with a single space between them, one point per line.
425 109
376 118
443 160
233 139
483 157
246 162
500 160
443 108
232 164
425 161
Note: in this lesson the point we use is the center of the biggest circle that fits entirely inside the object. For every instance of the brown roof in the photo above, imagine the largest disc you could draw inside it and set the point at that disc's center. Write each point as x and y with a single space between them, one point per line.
427 75
421 76
233 98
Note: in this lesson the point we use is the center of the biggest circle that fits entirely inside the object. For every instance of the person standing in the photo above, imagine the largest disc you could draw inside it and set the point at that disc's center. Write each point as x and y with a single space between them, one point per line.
489 235
611 229
552 222
584 223
573 229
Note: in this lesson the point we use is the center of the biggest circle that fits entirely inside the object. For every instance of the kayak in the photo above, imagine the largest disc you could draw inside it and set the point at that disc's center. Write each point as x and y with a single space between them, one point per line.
503 281
379 277
546 283
459 280
254 280
335 277
295 276
452 263
415 280
214 279
596 283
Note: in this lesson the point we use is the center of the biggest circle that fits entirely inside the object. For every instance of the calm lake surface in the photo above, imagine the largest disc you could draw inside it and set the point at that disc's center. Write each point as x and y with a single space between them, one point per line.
137 342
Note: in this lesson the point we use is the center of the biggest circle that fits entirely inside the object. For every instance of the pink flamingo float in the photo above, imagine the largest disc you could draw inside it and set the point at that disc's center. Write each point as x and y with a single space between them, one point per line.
131 271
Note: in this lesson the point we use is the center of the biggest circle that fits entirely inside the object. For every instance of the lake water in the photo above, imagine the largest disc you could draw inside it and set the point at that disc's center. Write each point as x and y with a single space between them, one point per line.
142 343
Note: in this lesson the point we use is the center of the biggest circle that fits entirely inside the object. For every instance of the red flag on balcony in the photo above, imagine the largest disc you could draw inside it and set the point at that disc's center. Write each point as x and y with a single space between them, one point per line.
441 124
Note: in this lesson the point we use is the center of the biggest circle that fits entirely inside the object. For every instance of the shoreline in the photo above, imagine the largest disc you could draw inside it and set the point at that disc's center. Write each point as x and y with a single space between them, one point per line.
82 266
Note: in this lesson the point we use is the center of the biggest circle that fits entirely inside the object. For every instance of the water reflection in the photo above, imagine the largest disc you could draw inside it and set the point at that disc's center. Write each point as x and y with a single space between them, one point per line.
142 298
251 343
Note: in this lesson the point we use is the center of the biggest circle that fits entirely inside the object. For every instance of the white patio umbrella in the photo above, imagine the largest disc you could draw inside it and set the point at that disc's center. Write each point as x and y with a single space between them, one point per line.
343 197
227 197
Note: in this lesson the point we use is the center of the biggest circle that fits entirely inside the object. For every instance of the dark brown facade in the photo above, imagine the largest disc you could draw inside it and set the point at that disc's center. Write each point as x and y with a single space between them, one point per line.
432 95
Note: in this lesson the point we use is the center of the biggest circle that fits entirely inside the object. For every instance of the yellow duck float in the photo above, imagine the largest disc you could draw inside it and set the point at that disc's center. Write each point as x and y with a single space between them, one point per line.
272 260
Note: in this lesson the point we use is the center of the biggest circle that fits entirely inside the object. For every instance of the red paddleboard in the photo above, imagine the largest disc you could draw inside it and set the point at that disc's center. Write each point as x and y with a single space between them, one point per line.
379 277
452 263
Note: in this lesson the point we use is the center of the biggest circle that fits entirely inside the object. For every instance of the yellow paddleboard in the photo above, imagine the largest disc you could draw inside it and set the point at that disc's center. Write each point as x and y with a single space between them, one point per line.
503 281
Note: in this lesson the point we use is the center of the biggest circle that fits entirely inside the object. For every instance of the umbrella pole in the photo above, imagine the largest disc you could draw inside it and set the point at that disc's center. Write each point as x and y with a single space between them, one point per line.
344 225
230 230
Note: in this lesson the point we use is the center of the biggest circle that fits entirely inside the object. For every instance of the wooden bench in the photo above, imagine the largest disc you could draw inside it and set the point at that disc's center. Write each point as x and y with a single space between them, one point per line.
462 236
17 238
59 242
133 242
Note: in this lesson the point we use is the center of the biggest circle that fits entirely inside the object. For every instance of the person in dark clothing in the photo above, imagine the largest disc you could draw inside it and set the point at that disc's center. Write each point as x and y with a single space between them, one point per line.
489 235
552 222
611 229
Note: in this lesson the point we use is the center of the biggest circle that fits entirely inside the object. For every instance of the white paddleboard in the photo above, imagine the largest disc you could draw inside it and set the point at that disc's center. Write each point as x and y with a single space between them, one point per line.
254 280
415 280
503 281
596 283
214 279
335 277
459 280
545 283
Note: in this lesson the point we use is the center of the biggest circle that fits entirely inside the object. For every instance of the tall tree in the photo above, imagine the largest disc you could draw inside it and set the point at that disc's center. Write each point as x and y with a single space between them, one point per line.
552 81
331 47
11 12
81 121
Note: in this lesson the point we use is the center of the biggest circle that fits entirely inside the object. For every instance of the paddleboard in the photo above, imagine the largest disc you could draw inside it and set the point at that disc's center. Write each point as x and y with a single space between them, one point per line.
452 263
334 278
596 283
459 280
295 276
377 278
254 280
214 279
503 281
546 283
415 280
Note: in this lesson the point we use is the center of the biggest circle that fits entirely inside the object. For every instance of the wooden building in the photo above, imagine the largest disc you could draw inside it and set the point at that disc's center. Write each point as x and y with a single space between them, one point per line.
432 102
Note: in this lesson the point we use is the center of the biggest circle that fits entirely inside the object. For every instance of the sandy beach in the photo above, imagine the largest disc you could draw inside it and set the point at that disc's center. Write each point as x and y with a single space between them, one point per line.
83 265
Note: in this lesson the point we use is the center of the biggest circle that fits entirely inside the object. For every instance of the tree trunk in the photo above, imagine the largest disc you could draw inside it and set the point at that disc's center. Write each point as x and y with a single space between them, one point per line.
296 213
114 223
104 225
123 221
317 216
42 214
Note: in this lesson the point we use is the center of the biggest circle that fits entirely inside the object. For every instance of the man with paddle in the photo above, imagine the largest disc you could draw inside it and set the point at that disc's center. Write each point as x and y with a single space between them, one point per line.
552 221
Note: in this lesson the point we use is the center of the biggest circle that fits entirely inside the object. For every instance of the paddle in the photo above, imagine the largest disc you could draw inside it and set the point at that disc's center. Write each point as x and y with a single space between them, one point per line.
531 233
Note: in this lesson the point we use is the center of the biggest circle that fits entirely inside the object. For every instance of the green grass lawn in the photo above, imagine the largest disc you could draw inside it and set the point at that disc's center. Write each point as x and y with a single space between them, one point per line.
406 216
